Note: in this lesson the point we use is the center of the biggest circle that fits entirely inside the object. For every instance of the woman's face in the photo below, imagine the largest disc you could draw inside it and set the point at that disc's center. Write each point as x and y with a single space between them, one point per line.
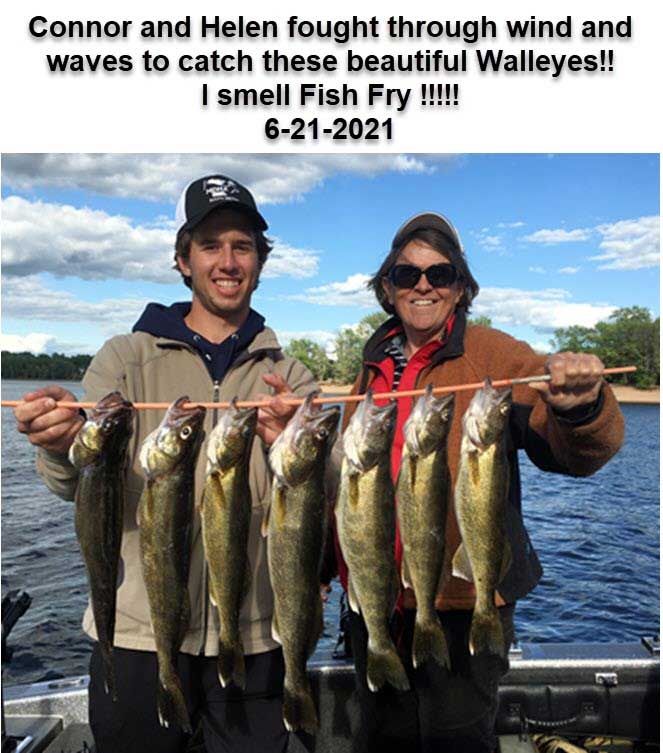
423 309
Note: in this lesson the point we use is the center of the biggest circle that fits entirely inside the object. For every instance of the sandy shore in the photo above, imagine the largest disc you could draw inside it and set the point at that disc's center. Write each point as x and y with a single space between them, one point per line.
631 395
623 394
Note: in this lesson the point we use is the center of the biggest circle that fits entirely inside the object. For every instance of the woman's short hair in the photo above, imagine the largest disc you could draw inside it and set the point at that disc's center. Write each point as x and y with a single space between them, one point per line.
444 245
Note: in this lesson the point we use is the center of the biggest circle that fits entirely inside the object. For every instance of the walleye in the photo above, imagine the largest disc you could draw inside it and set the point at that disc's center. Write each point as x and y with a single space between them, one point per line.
165 511
226 516
423 492
295 531
480 499
99 451
366 525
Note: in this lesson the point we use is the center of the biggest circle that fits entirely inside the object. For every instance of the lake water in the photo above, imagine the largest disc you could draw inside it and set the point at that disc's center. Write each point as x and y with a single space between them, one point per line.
598 540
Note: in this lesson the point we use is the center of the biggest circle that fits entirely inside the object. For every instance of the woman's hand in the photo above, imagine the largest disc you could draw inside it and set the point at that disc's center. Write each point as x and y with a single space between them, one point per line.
575 379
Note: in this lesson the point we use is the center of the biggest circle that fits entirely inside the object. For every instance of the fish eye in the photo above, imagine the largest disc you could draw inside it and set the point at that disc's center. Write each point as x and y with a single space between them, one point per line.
186 432
322 433
504 409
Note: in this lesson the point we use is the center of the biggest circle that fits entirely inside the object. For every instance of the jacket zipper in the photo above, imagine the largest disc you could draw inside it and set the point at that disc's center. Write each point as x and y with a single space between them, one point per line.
215 399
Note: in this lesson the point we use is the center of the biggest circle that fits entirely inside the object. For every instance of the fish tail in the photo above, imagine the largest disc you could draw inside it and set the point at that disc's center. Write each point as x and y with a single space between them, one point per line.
231 664
109 670
486 634
170 702
384 665
429 642
299 708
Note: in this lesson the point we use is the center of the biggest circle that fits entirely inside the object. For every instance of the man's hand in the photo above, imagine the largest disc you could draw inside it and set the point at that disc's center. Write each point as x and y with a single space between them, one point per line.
44 423
274 417
575 380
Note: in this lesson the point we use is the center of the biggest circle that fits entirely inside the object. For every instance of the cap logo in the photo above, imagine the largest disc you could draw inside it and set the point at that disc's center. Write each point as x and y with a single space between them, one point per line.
218 189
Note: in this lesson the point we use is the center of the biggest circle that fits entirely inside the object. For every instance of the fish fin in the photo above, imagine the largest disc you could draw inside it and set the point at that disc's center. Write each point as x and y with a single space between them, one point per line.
230 664
171 705
405 573
352 597
486 634
279 505
145 507
275 630
413 471
299 711
429 642
384 666
213 490
461 566
506 560
353 490
264 526
109 670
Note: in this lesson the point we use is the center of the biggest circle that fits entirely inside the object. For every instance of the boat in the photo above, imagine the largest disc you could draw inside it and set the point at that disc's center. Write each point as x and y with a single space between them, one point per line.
574 689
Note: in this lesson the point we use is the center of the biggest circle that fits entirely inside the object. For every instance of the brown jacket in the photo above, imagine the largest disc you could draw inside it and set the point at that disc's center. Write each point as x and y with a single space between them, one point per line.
553 442
146 368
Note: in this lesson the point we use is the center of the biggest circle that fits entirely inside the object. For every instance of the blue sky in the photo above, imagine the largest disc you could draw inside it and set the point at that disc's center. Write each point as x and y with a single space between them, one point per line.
553 240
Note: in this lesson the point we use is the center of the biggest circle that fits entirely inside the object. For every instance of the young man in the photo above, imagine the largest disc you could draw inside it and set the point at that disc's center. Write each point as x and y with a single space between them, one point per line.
213 348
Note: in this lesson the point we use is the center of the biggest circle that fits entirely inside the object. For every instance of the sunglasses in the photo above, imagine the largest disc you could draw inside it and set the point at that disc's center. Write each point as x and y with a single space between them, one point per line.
438 275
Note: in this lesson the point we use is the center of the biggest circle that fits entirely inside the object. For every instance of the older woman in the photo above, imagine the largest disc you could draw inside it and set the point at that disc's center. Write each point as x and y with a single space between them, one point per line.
570 425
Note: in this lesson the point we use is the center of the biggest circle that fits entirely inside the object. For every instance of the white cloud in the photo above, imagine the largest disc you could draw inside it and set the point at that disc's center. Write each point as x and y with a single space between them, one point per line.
284 260
541 346
274 179
35 342
568 270
321 336
544 310
28 298
39 342
490 241
559 236
350 292
630 244
509 225
93 245
537 270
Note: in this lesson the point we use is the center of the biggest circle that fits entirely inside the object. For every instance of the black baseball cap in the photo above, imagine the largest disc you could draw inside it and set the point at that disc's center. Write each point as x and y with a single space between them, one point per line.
204 195
426 221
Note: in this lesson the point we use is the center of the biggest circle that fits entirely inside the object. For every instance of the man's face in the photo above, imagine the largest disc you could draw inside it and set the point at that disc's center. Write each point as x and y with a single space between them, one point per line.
223 263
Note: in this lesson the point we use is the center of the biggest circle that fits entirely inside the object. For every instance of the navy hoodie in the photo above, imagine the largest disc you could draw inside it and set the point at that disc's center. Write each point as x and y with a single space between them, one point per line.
168 321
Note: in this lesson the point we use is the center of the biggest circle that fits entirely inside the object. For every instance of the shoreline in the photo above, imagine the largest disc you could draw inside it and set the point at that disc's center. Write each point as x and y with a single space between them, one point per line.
624 394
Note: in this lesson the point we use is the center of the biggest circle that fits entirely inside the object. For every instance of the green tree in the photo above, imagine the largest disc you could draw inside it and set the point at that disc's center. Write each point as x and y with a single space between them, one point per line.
575 339
312 356
629 337
482 321
56 366
349 346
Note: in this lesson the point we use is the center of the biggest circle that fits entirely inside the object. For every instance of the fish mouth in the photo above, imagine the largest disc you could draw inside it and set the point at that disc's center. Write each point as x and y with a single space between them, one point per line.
114 402
179 416
242 416
380 415
326 419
